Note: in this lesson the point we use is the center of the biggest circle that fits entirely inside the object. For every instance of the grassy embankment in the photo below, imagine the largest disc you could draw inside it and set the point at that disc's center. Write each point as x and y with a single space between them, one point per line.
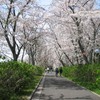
17 80
86 75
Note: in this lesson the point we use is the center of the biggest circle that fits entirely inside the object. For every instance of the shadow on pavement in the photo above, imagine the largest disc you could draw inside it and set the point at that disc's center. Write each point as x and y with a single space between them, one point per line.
50 97
60 83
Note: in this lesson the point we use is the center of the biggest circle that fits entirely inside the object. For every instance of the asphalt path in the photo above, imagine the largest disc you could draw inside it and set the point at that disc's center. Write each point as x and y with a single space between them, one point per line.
59 88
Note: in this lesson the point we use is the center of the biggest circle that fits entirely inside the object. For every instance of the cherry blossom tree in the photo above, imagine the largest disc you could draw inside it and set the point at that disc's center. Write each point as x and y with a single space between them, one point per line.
10 16
66 19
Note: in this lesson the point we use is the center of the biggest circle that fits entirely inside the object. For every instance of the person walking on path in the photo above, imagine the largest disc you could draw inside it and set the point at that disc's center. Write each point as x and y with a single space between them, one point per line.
60 71
56 71
48 69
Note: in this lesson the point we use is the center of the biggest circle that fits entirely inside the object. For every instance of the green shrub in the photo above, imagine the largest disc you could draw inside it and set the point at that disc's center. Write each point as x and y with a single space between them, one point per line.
15 77
69 72
86 75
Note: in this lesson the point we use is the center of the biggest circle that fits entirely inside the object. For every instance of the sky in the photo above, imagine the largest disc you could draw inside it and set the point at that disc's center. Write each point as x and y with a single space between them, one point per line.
97 4
44 3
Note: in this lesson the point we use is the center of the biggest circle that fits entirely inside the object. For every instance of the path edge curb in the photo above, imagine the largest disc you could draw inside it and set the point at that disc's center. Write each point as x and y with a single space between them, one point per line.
30 97
82 86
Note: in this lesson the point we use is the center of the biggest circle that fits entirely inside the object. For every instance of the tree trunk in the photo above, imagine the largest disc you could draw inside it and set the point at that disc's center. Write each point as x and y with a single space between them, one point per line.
82 51
15 57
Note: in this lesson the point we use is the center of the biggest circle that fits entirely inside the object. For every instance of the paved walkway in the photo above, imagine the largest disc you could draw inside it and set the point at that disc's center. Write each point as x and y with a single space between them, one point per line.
58 88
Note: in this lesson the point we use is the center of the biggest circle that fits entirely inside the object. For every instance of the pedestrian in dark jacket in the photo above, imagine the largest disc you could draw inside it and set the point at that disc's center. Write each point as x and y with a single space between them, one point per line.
60 71
57 71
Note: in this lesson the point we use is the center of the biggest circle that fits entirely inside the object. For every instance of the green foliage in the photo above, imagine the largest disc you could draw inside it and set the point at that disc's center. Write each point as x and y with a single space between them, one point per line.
2 57
86 75
15 77
69 72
